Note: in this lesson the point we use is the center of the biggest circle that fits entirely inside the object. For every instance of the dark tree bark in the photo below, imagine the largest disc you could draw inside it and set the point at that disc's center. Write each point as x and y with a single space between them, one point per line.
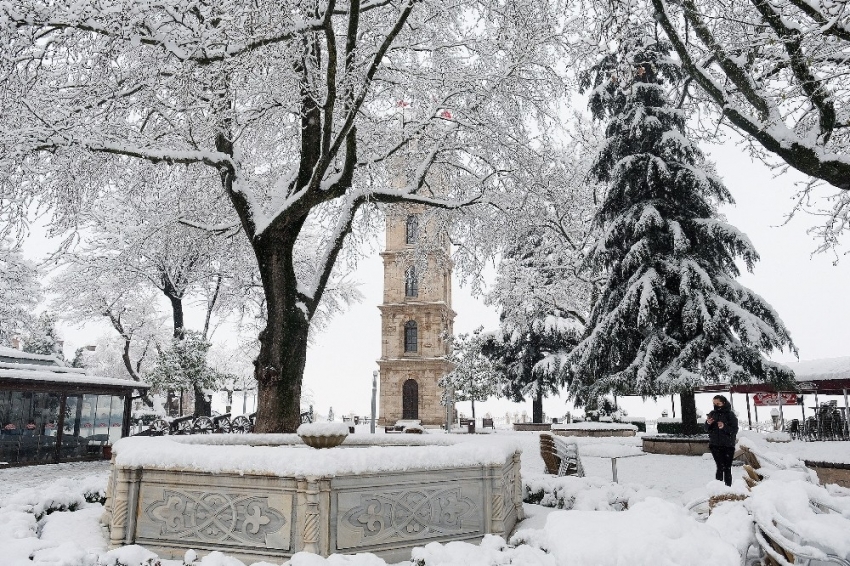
688 406
537 407
279 366
473 409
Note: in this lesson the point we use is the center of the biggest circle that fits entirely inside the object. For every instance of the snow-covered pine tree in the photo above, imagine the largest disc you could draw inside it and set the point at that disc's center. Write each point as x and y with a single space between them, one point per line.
542 303
43 338
671 315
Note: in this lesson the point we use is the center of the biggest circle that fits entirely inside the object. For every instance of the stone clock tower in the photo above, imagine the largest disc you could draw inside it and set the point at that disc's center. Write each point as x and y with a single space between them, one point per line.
416 318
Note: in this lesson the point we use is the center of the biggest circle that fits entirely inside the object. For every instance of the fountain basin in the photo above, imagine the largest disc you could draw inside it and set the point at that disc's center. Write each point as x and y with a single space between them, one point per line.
266 497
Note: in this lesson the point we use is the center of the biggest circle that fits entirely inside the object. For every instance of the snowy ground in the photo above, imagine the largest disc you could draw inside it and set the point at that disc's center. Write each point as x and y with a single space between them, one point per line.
657 528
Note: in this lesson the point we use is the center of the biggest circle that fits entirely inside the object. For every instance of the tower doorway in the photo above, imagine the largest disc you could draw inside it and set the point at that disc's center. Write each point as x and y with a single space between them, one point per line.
410 400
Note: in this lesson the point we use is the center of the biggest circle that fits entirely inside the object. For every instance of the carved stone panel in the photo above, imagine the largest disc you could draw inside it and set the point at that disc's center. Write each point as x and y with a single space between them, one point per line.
368 518
219 516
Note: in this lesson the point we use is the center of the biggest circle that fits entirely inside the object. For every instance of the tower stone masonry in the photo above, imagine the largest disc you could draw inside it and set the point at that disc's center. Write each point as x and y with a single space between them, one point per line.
416 318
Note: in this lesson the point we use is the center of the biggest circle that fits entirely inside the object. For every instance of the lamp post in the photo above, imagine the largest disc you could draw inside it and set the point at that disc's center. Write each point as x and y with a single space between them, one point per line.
374 399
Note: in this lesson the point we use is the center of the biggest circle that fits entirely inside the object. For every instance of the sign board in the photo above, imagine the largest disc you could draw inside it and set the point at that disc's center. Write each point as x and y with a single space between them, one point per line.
770 399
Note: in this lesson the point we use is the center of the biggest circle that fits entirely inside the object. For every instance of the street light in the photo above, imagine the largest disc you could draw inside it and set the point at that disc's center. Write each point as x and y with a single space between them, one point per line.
374 399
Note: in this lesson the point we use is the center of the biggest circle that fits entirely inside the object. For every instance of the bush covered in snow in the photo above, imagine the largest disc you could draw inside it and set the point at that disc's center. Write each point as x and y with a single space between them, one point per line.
587 493
670 426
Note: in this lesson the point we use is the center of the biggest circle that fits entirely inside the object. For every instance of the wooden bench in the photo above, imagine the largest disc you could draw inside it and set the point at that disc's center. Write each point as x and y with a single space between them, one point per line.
469 424
485 422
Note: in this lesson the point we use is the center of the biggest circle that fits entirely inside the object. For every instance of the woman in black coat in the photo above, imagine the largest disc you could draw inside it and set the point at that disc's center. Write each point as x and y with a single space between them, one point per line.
722 427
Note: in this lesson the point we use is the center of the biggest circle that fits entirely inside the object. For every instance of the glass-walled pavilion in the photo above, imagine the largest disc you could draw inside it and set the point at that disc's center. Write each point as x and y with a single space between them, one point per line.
52 413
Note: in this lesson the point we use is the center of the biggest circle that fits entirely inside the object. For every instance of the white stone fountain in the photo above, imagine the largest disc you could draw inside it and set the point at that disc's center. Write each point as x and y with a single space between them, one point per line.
266 497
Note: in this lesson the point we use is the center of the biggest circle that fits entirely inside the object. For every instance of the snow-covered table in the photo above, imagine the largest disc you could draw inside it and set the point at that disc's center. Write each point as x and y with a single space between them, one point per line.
612 451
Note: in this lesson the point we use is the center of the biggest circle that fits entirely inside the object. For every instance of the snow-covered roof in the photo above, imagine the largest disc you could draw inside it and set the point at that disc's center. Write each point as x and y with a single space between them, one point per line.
60 374
6 352
817 370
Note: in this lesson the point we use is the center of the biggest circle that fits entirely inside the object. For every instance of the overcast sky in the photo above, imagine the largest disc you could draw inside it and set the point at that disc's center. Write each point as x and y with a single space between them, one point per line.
807 291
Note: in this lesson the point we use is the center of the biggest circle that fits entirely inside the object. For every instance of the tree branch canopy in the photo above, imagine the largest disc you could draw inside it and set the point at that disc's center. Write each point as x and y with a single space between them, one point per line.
771 75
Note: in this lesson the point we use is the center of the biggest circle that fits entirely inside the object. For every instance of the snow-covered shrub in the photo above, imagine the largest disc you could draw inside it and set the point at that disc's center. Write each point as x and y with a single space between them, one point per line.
64 494
669 426
639 422
571 492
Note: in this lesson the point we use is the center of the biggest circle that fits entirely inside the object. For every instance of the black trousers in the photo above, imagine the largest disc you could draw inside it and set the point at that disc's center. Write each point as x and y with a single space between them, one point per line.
723 456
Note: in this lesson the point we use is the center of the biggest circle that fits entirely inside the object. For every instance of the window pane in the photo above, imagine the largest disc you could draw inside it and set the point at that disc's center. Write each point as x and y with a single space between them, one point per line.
116 418
410 336
73 446
412 229
9 436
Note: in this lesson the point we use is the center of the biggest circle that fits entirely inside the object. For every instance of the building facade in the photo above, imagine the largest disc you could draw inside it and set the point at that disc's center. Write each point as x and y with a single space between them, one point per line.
416 318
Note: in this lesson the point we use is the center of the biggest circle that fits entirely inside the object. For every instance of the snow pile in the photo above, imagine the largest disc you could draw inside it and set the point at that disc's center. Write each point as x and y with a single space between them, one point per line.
295 440
286 461
652 531
595 426
493 551
777 436
323 429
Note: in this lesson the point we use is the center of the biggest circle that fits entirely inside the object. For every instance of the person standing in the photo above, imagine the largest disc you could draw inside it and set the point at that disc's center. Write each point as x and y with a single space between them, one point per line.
722 428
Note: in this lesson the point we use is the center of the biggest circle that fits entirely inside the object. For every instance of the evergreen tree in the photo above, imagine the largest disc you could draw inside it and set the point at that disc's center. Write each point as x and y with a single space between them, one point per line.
183 366
43 338
671 315
542 304
520 354
20 292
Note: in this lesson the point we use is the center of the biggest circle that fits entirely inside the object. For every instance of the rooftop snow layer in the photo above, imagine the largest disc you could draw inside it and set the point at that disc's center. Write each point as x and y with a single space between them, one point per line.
61 375
828 368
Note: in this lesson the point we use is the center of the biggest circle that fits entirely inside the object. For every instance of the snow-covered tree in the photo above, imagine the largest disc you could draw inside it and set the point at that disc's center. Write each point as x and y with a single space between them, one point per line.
776 70
20 292
289 113
182 366
671 315
43 338
92 289
519 354
473 378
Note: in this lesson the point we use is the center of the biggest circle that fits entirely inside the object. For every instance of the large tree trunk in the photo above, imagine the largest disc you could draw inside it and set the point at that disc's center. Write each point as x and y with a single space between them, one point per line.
203 406
537 408
279 367
473 409
688 407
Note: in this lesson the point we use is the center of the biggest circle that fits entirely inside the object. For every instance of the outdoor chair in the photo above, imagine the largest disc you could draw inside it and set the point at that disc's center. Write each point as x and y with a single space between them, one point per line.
485 423
561 458
783 546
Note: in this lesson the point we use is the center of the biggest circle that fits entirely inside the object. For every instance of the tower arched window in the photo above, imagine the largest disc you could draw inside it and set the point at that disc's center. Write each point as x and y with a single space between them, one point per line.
412 229
411 336
411 282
